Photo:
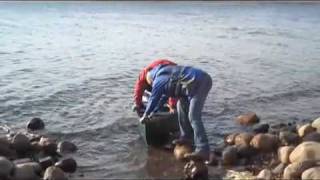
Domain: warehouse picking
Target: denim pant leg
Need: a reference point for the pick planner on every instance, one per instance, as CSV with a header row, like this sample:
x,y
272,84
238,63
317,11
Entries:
x,y
186,131
195,109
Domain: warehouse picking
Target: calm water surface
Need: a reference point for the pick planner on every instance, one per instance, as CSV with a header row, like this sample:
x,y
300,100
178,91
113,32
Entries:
x,y
74,65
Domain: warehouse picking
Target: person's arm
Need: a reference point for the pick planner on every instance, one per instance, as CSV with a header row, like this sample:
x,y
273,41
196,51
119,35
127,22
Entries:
x,y
139,88
156,94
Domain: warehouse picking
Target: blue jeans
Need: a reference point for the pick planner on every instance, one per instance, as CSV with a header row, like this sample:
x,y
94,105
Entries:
x,y
189,114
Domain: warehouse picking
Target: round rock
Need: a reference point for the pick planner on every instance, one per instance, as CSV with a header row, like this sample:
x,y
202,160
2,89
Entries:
x,y
229,140
48,145
35,124
54,173
20,143
294,170
180,150
311,174
229,155
264,142
27,171
247,119
305,151
261,128
66,147
243,139
316,124
284,153
289,138
6,167
67,165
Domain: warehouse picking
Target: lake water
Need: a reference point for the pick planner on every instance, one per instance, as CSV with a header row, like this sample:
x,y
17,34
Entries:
x,y
74,65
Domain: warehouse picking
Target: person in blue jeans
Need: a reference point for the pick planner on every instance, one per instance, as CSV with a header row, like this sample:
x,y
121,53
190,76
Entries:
x,y
191,87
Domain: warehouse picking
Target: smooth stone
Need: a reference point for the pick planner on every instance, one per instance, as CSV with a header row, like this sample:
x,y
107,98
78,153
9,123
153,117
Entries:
x,y
48,145
245,151
27,171
180,150
195,170
305,129
311,174
289,138
6,167
261,128
229,155
265,142
279,169
54,173
6,150
284,153
68,165
265,174
66,147
247,119
229,140
213,160
35,124
316,124
294,170
20,143
243,139
305,151
313,136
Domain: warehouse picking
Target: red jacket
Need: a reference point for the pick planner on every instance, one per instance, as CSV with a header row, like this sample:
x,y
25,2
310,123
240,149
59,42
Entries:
x,y
141,84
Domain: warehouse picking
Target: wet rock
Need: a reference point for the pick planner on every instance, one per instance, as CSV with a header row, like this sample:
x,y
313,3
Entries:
x,y
311,174
294,170
35,147
46,162
288,138
48,146
316,124
20,143
196,170
229,140
6,167
180,150
305,151
264,142
279,169
229,155
243,139
313,136
284,153
66,147
54,173
6,150
67,165
265,174
245,151
247,119
27,171
261,128
35,124
219,149
305,129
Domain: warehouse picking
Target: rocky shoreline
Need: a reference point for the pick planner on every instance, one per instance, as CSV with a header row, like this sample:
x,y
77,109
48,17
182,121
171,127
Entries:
x,y
277,151
28,155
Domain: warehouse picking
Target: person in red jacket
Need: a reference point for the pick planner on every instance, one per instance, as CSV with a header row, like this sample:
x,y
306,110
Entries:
x,y
141,85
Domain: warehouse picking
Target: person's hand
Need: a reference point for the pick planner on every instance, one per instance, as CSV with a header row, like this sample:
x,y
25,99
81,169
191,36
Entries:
x,y
138,109
171,110
144,119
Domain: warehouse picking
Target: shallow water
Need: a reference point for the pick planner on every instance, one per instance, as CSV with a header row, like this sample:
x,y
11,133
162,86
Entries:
x,y
74,65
